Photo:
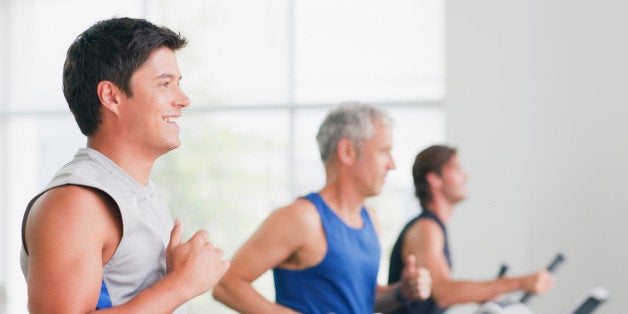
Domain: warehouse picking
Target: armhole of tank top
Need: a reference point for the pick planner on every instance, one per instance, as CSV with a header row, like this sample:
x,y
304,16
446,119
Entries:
x,y
34,199
323,218
318,200
25,217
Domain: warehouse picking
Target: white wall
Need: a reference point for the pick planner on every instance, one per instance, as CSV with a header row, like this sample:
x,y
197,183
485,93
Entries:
x,y
3,196
538,106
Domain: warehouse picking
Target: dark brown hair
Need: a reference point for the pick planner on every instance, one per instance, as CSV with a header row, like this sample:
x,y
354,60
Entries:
x,y
110,50
431,159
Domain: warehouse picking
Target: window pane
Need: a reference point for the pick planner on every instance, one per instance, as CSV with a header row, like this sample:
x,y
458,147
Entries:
x,y
40,34
36,148
369,50
234,167
226,177
236,52
309,172
416,128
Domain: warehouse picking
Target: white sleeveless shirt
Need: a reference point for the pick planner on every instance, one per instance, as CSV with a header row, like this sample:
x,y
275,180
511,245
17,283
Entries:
x,y
140,258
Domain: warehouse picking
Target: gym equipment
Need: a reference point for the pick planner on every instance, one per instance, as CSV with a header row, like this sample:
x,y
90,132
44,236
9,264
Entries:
x,y
591,300
559,259
515,307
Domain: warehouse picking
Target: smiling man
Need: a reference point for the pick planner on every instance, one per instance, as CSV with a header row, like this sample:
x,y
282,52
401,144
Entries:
x,y
100,236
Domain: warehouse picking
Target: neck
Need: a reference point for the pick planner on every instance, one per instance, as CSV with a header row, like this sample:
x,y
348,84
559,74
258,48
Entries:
x,y
442,208
341,194
345,202
342,199
134,162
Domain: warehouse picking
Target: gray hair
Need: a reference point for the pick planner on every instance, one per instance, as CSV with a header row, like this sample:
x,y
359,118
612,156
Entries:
x,y
350,120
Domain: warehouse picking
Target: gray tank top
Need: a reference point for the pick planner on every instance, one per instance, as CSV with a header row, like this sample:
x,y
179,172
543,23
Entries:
x,y
140,259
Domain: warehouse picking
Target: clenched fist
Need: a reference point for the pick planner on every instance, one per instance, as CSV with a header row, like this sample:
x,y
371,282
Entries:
x,y
416,282
197,261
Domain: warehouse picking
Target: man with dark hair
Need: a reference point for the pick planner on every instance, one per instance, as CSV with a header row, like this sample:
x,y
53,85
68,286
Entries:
x,y
323,248
439,183
100,235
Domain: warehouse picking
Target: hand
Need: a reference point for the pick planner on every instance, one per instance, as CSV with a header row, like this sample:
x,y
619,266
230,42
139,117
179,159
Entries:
x,y
539,282
198,263
416,281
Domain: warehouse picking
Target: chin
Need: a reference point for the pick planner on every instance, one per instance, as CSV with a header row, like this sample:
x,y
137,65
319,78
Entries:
x,y
174,144
169,147
374,192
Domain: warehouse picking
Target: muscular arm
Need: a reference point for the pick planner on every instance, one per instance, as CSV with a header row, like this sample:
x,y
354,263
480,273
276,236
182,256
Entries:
x,y
275,243
71,232
425,240
68,231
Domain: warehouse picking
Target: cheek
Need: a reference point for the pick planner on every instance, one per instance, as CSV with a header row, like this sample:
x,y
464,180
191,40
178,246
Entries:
x,y
384,158
463,178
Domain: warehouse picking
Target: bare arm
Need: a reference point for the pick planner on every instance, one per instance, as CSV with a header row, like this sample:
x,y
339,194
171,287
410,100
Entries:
x,y
415,285
73,231
426,241
275,243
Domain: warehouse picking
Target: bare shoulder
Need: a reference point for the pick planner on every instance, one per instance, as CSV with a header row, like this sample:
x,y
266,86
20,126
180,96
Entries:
x,y
71,202
72,210
424,234
424,227
302,208
300,215
277,240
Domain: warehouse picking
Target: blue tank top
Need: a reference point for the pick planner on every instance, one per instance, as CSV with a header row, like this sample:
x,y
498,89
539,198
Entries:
x,y
345,280
428,306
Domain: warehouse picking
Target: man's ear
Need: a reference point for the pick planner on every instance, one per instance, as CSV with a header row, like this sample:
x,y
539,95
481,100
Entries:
x,y
433,179
346,151
109,95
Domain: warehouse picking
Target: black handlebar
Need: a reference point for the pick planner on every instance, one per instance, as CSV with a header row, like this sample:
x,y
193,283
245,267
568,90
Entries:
x,y
559,259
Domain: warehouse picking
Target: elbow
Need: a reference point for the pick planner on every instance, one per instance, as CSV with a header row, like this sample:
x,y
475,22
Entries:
x,y
444,305
228,289
443,298
442,302
221,290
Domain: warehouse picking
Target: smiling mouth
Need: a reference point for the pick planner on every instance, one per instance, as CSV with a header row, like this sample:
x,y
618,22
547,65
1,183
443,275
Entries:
x,y
171,120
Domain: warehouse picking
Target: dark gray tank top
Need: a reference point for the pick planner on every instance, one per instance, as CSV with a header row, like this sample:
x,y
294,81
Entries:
x,y
428,306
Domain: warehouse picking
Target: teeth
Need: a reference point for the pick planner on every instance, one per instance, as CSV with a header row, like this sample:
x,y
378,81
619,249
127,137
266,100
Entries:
x,y
170,119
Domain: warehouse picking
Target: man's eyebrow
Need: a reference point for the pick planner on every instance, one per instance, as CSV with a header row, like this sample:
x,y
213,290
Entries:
x,y
169,75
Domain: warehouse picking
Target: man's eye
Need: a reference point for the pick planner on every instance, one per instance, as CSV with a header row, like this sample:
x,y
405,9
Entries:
x,y
164,84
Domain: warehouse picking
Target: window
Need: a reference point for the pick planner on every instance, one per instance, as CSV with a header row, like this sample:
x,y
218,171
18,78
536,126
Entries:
x,y
261,76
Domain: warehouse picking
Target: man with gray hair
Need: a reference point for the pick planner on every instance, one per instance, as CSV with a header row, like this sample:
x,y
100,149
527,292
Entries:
x,y
323,248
